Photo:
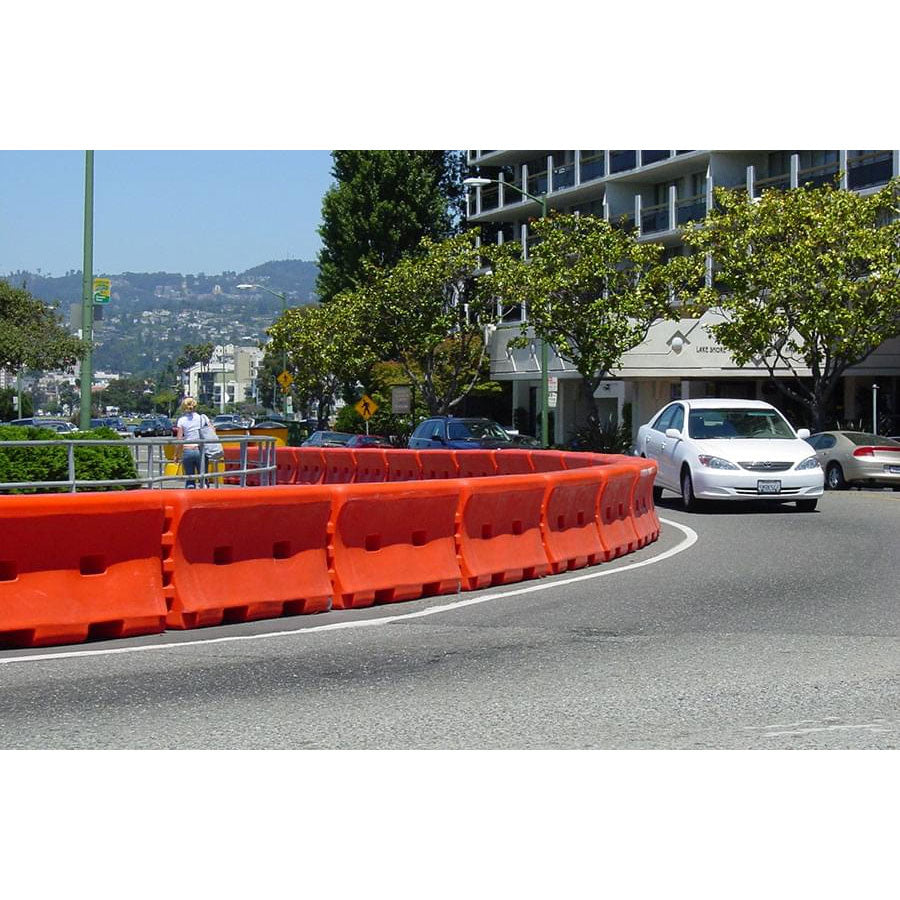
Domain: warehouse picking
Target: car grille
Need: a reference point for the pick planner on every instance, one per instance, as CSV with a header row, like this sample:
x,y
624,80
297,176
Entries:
x,y
767,466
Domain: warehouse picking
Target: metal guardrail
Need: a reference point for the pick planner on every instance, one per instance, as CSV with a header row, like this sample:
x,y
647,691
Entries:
x,y
151,459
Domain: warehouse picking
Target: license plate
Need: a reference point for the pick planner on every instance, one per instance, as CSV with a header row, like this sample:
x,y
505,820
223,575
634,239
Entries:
x,y
768,487
894,470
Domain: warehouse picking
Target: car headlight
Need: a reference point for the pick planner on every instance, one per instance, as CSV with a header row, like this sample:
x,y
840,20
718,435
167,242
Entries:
x,y
811,462
716,462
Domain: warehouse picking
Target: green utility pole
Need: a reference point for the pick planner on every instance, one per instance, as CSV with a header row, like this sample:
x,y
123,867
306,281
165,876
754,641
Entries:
x,y
87,293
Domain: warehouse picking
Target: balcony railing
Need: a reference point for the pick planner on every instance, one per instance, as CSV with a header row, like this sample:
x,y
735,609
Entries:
x,y
816,176
869,169
537,183
510,194
622,160
690,209
490,198
564,177
652,156
593,166
655,218
772,183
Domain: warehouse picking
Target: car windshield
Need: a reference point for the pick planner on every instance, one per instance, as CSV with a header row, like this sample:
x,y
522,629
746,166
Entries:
x,y
336,436
729,424
475,430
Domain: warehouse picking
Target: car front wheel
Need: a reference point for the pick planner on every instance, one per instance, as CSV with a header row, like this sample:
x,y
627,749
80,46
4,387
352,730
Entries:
x,y
688,499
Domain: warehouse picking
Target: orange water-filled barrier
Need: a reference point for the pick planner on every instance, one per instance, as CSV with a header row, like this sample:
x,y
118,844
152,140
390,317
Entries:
x,y
79,566
571,525
370,465
232,556
646,522
615,514
500,530
394,541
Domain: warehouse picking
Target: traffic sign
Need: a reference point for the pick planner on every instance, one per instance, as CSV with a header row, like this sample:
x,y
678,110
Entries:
x,y
101,290
366,407
285,379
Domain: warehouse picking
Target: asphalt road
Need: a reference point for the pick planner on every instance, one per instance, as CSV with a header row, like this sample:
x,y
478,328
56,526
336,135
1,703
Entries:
x,y
745,628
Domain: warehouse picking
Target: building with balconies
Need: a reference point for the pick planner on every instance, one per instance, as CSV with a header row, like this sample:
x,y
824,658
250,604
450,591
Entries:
x,y
655,193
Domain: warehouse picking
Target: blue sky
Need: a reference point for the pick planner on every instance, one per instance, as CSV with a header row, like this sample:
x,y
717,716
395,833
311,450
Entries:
x,y
186,211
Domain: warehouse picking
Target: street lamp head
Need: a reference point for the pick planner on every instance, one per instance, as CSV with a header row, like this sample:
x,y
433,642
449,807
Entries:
x,y
477,182
246,287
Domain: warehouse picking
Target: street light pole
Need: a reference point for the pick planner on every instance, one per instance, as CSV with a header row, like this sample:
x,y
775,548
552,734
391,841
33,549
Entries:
x,y
281,296
87,294
545,364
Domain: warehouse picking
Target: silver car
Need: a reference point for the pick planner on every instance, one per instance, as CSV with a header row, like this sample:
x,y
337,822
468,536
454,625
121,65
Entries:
x,y
857,458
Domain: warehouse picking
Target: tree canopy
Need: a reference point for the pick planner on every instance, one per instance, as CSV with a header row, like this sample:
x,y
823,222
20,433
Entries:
x,y
382,205
428,313
31,335
323,352
805,279
592,292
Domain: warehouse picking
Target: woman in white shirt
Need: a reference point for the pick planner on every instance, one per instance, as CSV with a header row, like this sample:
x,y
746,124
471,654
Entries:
x,y
187,428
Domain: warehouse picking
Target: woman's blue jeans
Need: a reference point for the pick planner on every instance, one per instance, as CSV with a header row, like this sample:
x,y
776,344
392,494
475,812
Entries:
x,y
190,460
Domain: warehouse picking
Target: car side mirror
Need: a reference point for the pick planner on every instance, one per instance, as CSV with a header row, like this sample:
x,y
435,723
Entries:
x,y
673,433
803,433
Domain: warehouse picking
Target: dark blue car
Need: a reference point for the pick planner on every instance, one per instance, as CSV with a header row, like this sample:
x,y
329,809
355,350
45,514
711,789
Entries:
x,y
450,433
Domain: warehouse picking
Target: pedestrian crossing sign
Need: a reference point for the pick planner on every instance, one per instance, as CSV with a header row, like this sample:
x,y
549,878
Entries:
x,y
366,407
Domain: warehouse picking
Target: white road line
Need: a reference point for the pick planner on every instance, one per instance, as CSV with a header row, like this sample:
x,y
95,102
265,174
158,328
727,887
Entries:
x,y
689,540
871,726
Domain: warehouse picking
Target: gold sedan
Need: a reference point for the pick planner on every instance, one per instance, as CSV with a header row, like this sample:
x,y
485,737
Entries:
x,y
856,458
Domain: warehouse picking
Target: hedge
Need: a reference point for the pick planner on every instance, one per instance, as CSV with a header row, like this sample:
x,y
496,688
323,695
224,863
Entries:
x,y
48,463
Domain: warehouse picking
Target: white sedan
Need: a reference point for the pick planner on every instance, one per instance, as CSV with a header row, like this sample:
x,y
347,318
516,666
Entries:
x,y
715,449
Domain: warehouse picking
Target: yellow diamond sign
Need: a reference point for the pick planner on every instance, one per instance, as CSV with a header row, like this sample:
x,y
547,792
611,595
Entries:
x,y
366,407
285,379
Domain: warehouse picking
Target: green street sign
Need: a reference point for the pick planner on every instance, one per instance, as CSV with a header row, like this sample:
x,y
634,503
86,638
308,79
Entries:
x,y
101,290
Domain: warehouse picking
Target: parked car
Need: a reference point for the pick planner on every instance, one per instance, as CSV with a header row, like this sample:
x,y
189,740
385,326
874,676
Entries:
x,y
450,433
154,426
117,423
857,458
61,426
368,440
721,449
231,421
526,441
327,439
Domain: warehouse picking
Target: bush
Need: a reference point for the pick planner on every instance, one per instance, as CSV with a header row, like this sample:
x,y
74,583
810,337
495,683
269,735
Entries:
x,y
51,463
604,437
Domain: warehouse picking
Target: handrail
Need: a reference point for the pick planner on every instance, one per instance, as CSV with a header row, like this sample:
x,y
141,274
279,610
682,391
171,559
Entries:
x,y
155,462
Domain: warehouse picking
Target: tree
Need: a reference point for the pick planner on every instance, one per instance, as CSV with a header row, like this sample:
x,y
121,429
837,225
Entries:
x,y
31,334
805,279
8,408
428,313
192,354
592,292
129,394
384,203
323,352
